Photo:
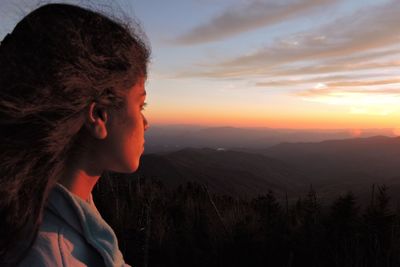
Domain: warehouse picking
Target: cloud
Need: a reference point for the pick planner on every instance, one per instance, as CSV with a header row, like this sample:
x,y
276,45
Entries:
x,y
363,83
332,81
287,71
243,18
368,29
333,68
352,62
365,40
332,92
316,79
373,111
373,101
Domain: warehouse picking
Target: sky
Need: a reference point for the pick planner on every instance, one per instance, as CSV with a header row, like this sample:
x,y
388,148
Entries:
x,y
315,64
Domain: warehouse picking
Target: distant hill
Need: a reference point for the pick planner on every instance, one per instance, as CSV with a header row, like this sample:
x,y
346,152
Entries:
x,y
331,167
225,172
173,138
338,165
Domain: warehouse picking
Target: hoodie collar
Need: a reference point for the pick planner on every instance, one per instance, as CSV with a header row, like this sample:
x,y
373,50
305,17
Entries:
x,y
85,219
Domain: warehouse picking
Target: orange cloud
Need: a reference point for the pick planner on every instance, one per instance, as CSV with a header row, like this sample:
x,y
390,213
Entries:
x,y
333,91
363,83
317,79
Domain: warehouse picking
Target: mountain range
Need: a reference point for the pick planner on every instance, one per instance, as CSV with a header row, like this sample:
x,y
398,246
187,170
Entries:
x,y
331,167
173,138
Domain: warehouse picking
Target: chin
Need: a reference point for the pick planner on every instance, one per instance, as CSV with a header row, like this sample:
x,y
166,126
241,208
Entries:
x,y
134,169
134,166
128,167
129,164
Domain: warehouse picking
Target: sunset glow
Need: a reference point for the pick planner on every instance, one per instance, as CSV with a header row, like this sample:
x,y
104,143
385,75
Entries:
x,y
262,64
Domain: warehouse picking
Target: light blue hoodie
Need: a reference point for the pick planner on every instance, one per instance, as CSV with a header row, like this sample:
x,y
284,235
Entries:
x,y
73,233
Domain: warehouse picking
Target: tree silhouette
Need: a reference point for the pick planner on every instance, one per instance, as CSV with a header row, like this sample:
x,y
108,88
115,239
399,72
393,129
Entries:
x,y
189,226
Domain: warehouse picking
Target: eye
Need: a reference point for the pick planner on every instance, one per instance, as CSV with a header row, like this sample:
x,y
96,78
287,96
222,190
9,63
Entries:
x,y
143,106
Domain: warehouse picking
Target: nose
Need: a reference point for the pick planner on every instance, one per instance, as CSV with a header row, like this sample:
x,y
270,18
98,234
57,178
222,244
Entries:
x,y
145,123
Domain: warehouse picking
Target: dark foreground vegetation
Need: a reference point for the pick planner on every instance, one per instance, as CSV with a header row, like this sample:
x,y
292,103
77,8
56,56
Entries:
x,y
189,226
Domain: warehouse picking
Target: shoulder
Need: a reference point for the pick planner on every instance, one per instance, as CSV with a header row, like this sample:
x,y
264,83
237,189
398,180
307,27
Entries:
x,y
46,250
58,244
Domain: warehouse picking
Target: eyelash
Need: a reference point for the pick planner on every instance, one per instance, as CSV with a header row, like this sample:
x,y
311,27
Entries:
x,y
143,106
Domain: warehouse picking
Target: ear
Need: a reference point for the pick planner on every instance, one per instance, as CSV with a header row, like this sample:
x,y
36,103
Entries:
x,y
96,121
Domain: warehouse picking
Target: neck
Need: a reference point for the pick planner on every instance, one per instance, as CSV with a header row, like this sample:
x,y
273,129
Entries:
x,y
82,169
80,183
80,176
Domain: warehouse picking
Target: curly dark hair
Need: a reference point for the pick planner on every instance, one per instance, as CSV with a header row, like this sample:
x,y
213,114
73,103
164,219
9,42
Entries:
x,y
58,59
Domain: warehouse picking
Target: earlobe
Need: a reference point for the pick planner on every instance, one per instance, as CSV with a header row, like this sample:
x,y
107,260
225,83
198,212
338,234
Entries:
x,y
100,131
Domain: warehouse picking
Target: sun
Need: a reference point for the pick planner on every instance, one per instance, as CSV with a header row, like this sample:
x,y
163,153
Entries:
x,y
396,131
357,132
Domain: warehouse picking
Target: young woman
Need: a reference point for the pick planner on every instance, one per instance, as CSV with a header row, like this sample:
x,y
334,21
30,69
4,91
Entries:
x,y
71,99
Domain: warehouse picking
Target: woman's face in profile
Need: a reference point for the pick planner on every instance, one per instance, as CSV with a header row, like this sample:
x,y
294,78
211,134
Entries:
x,y
126,132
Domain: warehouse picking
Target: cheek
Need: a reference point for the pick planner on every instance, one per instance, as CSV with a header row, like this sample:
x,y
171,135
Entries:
x,y
124,145
125,152
133,139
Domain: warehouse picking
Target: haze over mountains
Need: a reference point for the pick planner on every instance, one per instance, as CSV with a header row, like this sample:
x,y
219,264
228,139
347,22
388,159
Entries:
x,y
171,138
237,166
